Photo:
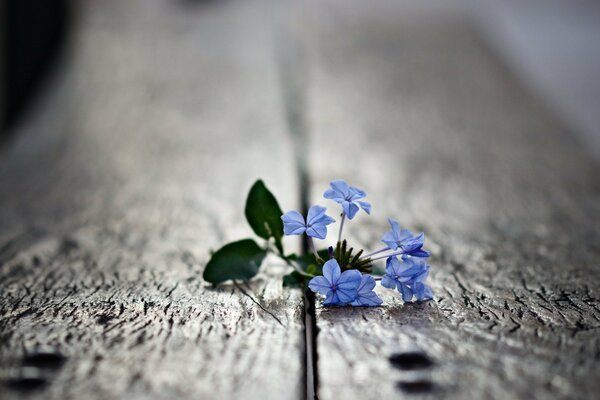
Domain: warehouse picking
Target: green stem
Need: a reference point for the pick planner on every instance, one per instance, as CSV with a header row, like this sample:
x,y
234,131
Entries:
x,y
341,226
290,263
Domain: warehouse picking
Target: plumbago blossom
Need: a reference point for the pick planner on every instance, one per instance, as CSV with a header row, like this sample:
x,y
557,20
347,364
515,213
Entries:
x,y
315,225
338,272
337,287
345,277
407,276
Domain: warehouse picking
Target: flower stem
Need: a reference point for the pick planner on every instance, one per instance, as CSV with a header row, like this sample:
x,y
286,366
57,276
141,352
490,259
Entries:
x,y
396,253
299,270
311,246
291,264
375,252
341,226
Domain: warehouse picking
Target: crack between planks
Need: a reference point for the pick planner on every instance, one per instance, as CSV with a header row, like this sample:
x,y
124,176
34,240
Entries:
x,y
294,83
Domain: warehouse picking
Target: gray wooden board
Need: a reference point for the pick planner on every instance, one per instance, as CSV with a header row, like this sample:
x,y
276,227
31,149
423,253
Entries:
x,y
442,138
133,166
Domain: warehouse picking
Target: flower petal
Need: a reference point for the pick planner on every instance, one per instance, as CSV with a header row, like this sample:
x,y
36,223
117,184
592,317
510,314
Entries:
x,y
323,220
332,299
404,236
314,213
393,267
388,282
331,271
395,225
390,240
369,299
340,186
334,195
293,223
349,280
412,269
293,216
346,296
406,291
319,284
355,193
410,243
365,206
423,275
350,209
420,253
428,293
317,231
367,284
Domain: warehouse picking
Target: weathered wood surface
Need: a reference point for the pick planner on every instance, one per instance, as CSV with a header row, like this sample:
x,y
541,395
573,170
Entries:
x,y
129,171
421,116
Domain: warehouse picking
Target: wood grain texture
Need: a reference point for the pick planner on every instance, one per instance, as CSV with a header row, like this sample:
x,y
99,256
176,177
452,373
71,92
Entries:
x,y
129,171
442,138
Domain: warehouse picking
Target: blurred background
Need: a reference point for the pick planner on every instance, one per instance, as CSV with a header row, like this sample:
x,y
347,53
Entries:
x,y
552,46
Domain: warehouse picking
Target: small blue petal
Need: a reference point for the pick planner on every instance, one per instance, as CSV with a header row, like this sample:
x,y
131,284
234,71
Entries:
x,y
314,213
346,296
412,269
388,282
293,223
428,293
350,209
367,284
317,231
390,240
366,296
331,299
395,225
422,291
404,239
420,253
407,293
293,229
323,220
319,284
355,193
340,186
367,300
317,222
332,271
350,279
334,195
365,206
348,197
393,267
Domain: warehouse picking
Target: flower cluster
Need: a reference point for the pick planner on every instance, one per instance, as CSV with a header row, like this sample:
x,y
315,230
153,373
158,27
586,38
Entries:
x,y
344,278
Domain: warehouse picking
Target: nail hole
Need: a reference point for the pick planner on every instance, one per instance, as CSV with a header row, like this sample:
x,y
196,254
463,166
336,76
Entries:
x,y
411,360
29,379
418,386
44,360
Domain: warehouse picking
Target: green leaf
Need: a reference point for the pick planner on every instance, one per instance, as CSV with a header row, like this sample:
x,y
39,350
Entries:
x,y
236,260
264,214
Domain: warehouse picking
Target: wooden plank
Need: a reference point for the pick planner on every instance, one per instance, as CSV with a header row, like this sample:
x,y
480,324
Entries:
x,y
135,164
441,136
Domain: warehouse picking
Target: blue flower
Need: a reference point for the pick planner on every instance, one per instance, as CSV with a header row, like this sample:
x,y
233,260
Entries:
x,y
408,277
403,239
337,287
366,296
315,226
348,197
